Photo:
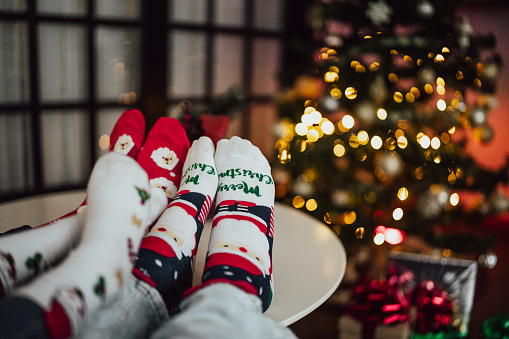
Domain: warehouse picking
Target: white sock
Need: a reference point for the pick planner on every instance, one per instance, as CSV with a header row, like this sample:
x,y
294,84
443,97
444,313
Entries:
x,y
240,247
167,253
121,205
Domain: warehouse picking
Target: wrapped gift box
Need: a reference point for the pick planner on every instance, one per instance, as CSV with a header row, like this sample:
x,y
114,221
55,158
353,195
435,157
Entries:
x,y
457,277
350,328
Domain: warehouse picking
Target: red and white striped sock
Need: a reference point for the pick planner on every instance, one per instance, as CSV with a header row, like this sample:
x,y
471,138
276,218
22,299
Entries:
x,y
240,247
166,254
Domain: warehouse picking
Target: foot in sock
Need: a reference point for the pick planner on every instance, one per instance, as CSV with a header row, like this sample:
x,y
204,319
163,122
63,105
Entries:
x,y
50,242
121,205
166,254
164,153
240,247
127,138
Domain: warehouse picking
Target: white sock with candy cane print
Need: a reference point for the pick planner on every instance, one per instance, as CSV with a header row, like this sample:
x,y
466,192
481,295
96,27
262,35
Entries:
x,y
166,254
240,247
121,205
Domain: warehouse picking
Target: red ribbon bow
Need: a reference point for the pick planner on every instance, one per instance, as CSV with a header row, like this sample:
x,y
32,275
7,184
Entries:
x,y
434,309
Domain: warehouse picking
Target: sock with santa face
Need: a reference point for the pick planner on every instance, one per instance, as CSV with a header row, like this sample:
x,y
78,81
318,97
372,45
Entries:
x,y
51,241
164,153
166,254
240,246
121,205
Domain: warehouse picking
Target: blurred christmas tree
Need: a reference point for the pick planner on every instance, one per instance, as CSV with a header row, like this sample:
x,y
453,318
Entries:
x,y
373,134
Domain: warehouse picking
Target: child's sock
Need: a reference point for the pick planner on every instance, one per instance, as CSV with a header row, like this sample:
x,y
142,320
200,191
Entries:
x,y
51,241
121,205
164,153
167,253
240,247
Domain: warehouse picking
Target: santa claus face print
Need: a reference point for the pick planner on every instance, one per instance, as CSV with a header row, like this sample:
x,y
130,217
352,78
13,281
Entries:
x,y
124,144
165,158
235,235
182,240
166,185
241,249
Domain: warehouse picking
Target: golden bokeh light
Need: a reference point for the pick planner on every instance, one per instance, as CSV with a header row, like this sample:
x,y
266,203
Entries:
x,y
351,93
307,119
313,135
454,199
339,150
335,93
419,173
327,127
348,121
298,202
309,109
376,142
301,129
359,233
353,141
441,105
379,239
402,142
316,117
311,205
402,193
424,141
284,157
397,214
349,217
435,143
363,137
381,114
331,77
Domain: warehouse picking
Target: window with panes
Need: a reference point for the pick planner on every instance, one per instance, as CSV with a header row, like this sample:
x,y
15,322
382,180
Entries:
x,y
69,68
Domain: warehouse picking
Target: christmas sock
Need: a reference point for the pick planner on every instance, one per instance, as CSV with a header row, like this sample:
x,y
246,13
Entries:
x,y
126,138
163,154
166,254
240,247
51,241
121,205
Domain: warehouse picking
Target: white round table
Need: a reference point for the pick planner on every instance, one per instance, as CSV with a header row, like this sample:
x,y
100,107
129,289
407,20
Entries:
x,y
309,260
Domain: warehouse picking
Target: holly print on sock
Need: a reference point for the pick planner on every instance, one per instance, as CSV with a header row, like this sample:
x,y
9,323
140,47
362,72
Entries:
x,y
240,246
166,254
36,263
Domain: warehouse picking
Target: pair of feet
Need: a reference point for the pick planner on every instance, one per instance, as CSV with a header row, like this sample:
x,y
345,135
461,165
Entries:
x,y
125,197
240,246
